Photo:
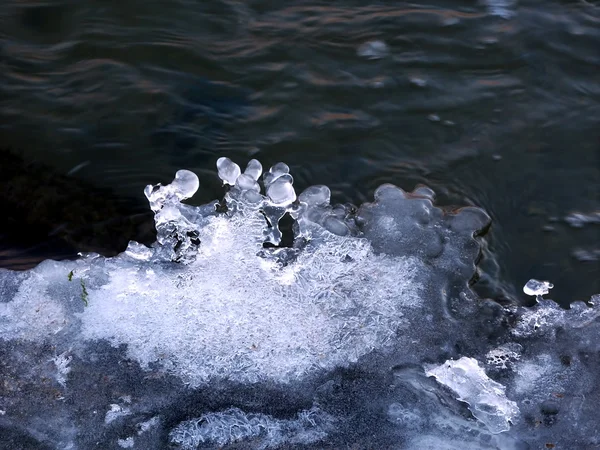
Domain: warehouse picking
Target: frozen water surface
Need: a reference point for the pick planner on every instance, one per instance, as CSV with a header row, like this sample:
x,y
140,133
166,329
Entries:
x,y
220,336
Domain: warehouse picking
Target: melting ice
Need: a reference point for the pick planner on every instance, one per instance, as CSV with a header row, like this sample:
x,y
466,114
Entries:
x,y
364,330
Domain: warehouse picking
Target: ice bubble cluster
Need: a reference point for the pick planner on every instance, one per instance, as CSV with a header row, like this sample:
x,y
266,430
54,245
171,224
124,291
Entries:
x,y
348,325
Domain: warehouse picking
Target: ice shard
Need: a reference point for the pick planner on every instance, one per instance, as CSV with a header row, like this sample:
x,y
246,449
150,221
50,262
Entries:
x,y
486,398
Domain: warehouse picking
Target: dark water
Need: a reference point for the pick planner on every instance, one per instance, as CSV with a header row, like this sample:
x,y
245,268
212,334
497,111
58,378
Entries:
x,y
494,105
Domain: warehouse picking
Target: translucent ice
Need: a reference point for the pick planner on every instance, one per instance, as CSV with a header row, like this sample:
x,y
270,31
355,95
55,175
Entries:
x,y
184,186
228,171
231,331
316,196
486,398
504,356
281,191
278,170
247,183
253,169
537,288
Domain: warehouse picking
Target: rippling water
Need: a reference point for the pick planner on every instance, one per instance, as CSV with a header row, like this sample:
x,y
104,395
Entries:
x,y
495,104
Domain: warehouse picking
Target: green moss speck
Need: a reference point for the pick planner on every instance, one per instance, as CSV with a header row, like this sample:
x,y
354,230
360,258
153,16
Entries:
x,y
84,292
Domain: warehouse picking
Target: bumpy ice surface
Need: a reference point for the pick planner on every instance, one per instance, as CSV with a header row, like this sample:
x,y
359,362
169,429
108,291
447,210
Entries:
x,y
354,325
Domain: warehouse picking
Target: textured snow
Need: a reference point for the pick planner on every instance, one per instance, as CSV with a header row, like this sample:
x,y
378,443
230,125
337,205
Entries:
x,y
128,442
234,425
215,317
62,362
115,412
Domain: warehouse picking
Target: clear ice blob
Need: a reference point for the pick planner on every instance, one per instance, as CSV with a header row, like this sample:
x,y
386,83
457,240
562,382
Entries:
x,y
537,288
275,172
486,398
184,186
281,190
316,196
247,183
253,169
228,171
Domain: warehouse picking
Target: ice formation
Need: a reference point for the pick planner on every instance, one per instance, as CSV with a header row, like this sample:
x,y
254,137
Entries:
x,y
537,288
233,425
62,367
231,331
486,398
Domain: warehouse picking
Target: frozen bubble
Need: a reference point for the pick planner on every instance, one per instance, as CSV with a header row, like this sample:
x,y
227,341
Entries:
x,y
281,191
335,226
504,356
399,223
316,196
373,50
247,183
228,171
185,184
434,118
275,172
424,191
486,398
537,288
253,169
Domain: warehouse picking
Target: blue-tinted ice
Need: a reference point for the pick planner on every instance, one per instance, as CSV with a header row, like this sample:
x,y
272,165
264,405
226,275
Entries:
x,y
360,330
